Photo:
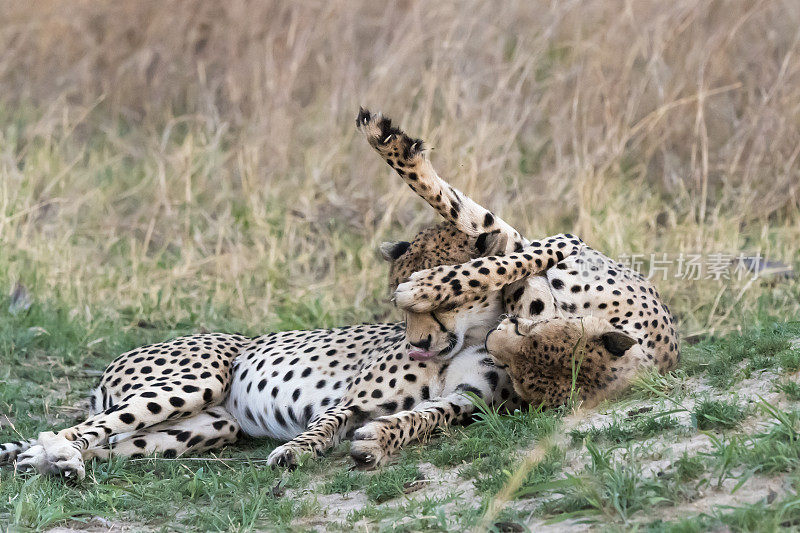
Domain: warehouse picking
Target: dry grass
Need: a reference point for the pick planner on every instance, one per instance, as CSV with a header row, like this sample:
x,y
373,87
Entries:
x,y
182,161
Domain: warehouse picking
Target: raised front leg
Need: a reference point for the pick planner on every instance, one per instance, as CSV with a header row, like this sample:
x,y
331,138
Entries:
x,y
452,286
407,157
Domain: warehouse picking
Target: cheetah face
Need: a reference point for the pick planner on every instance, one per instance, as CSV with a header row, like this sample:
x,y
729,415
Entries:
x,y
443,333
517,342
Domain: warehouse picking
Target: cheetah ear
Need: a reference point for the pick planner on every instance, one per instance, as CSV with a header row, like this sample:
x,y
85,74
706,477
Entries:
x,y
392,250
617,342
491,243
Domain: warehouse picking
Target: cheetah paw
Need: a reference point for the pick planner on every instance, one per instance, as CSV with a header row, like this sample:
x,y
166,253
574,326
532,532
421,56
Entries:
x,y
53,455
387,139
366,448
415,295
287,455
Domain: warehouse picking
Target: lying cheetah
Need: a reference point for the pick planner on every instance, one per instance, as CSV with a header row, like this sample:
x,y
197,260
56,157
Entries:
x,y
312,388
587,318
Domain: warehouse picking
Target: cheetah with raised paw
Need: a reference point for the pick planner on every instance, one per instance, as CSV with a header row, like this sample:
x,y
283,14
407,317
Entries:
x,y
450,364
585,325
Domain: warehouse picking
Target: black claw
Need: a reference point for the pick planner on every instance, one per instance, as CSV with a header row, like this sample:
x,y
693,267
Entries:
x,y
363,460
412,147
363,117
286,461
408,146
387,130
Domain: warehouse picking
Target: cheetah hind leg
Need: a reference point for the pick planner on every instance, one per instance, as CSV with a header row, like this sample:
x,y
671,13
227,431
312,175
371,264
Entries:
x,y
62,452
209,430
53,454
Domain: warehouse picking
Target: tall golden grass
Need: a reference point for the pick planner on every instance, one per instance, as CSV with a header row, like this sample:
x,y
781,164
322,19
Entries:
x,y
193,153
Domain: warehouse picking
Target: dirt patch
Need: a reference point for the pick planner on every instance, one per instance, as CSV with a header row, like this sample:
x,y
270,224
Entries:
x,y
656,455
97,524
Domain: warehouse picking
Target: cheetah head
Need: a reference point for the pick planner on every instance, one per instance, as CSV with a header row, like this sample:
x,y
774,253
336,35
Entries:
x,y
444,332
531,350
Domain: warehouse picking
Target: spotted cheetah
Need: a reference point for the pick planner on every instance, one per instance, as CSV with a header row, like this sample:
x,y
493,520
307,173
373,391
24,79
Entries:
x,y
200,392
583,326
310,388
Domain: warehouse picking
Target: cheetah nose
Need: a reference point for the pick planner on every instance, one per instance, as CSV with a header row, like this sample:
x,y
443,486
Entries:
x,y
422,344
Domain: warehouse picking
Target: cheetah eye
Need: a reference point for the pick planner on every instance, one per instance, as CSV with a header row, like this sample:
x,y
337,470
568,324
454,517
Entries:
x,y
436,319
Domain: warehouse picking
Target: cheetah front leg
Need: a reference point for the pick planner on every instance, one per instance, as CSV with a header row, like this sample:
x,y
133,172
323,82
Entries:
x,y
452,286
472,371
325,433
375,442
407,157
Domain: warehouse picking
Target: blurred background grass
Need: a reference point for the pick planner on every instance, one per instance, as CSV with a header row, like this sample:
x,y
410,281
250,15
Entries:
x,y
195,164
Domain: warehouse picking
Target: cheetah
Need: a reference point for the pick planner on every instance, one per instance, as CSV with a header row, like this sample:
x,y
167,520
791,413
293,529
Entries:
x,y
310,388
201,392
582,327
